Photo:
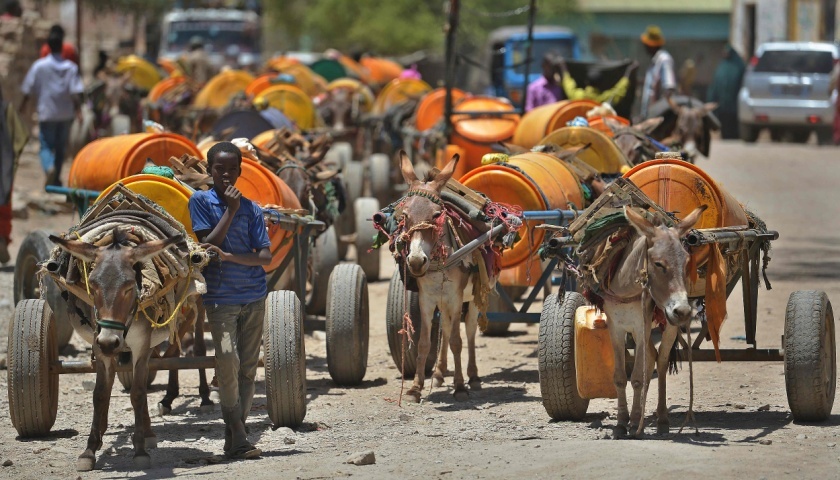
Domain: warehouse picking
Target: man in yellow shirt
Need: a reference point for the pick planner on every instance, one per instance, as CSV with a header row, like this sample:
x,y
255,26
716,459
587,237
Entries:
x,y
589,92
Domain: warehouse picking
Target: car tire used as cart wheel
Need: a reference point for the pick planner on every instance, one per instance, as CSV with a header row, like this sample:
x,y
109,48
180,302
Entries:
x,y
810,356
558,377
35,248
324,259
33,389
380,177
340,153
354,180
348,325
366,256
394,323
126,378
285,359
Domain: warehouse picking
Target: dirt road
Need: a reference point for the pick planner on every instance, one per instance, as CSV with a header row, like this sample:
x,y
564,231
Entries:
x,y
745,425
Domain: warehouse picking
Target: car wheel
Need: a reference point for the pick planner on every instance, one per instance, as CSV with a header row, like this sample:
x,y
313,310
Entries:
x,y
748,133
800,136
825,137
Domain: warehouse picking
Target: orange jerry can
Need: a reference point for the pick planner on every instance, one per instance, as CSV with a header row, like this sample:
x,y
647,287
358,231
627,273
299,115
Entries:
x,y
594,363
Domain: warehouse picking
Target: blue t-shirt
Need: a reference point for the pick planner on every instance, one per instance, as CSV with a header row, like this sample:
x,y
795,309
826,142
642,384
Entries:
x,y
229,283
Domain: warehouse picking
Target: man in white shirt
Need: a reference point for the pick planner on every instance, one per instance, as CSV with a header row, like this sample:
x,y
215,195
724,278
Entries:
x,y
58,87
660,81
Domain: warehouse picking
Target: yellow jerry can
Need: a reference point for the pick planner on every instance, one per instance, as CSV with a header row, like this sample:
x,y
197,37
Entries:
x,y
594,363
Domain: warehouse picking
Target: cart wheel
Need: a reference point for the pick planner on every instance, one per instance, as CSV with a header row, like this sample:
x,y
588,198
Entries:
x,y
33,390
126,379
394,323
340,153
36,247
810,356
496,305
324,258
558,378
348,322
380,177
354,180
353,177
285,359
365,232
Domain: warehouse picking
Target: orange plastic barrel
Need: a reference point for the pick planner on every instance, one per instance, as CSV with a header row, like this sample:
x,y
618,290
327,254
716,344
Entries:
x,y
381,70
171,195
598,124
431,108
259,84
259,184
164,86
107,160
680,187
280,62
537,181
476,134
545,119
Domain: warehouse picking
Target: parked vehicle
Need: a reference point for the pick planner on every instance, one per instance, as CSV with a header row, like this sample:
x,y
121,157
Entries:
x,y
787,88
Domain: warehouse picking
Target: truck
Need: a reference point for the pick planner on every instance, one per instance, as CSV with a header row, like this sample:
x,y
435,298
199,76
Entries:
x,y
231,37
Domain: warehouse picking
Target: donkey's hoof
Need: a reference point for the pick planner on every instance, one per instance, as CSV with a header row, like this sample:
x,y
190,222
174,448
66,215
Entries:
x,y
461,394
164,409
412,396
207,408
637,433
619,432
475,383
150,442
437,382
85,462
663,428
142,462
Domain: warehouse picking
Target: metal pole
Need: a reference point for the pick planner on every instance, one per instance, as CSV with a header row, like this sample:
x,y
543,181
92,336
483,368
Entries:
x,y
532,11
449,77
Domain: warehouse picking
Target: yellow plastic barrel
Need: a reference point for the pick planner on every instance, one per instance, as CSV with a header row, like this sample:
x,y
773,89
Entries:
x,y
308,81
143,74
476,134
603,154
353,85
280,62
259,184
432,106
292,101
108,160
218,91
171,195
545,119
532,181
594,361
680,187
164,86
398,91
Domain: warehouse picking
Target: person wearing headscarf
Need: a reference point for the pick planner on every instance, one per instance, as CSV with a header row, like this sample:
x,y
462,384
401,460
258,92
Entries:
x,y
724,90
13,137
660,81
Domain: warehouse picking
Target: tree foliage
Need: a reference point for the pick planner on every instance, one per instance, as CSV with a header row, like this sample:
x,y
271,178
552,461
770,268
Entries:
x,y
398,26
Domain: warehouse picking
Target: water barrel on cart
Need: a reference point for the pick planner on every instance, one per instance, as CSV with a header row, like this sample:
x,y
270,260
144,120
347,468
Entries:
x,y
218,91
432,106
602,154
292,101
532,181
543,120
398,91
680,187
381,70
107,160
477,134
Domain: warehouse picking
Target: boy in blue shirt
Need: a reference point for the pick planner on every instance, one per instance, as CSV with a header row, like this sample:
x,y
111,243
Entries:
x,y
233,227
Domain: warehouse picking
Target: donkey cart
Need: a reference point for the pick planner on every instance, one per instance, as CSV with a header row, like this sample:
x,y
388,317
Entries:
x,y
576,359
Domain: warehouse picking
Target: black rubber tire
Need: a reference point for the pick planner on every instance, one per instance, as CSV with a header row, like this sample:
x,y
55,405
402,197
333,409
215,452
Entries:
x,y
748,133
558,377
380,178
394,323
825,137
800,136
348,325
496,305
365,232
285,359
33,390
35,248
126,378
324,258
810,356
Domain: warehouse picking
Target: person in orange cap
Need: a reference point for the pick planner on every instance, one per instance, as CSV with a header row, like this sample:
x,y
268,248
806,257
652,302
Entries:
x,y
660,81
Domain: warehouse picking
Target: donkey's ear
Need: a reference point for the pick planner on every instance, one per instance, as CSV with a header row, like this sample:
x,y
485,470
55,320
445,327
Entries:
x,y
441,178
147,250
613,124
640,223
407,168
85,251
649,125
688,222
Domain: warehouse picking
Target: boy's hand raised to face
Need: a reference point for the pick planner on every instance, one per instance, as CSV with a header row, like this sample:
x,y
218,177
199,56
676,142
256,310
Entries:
x,y
232,197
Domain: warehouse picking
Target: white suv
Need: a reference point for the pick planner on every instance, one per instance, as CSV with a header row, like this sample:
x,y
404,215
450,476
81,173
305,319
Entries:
x,y
787,88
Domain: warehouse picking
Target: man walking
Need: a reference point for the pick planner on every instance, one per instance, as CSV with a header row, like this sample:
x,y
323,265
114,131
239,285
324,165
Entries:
x,y
660,81
58,87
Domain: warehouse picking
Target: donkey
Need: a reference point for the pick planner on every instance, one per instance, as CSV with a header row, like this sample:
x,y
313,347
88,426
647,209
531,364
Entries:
x,y
422,216
114,284
634,141
690,130
650,273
